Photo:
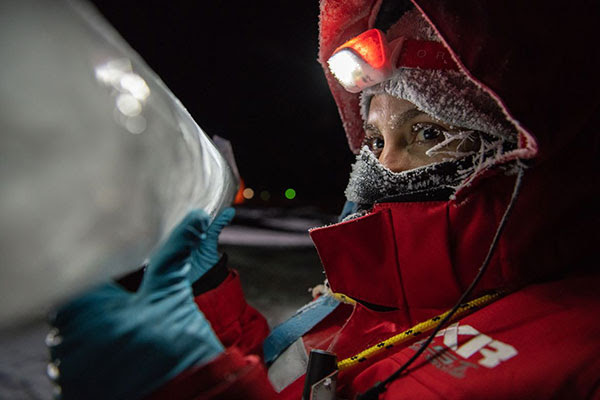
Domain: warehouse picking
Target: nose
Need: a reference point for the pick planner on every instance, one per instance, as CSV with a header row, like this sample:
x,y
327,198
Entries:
x,y
395,159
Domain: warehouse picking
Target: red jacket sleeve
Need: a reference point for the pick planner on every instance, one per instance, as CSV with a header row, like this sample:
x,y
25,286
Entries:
x,y
231,376
239,372
233,320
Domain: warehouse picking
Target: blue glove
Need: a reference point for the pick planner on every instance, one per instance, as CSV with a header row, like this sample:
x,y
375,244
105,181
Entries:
x,y
205,256
113,344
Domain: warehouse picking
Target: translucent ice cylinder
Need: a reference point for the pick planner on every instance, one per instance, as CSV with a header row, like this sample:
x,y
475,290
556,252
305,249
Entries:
x,y
98,158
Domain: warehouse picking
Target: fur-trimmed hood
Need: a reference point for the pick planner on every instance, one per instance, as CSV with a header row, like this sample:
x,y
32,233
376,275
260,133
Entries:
x,y
530,58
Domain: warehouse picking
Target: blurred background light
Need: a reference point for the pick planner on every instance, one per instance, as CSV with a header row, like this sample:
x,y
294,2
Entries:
x,y
290,194
248,193
265,195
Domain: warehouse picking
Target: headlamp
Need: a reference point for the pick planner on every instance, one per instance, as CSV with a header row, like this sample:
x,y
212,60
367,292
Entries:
x,y
368,59
362,61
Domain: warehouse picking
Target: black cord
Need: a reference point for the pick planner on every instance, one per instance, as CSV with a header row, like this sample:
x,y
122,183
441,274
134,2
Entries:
x,y
374,391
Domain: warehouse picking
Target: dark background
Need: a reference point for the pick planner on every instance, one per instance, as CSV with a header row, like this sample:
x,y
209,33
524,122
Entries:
x,y
249,72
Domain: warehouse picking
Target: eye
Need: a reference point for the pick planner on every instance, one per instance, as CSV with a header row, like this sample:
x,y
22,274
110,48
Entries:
x,y
375,144
427,132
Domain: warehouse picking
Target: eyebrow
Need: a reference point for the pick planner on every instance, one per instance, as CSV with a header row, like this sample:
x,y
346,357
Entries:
x,y
406,116
398,119
370,127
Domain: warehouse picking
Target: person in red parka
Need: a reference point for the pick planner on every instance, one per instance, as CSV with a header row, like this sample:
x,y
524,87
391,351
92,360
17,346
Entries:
x,y
502,101
463,264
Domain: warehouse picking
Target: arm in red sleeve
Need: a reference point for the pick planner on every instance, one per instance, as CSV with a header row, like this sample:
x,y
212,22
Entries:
x,y
219,296
233,320
230,376
239,372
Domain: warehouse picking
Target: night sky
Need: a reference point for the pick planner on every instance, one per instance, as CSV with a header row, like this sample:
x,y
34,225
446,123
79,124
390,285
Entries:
x,y
249,73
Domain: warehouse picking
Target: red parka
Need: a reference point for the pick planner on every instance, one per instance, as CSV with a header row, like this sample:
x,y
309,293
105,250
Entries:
x,y
541,340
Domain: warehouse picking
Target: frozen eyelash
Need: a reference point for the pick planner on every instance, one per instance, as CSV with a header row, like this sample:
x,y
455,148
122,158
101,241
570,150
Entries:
x,y
450,137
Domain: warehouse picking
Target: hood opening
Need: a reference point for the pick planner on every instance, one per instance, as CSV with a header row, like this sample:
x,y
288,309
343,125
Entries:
x,y
385,14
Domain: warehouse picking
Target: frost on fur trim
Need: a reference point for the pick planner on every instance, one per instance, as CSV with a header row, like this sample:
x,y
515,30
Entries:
x,y
448,96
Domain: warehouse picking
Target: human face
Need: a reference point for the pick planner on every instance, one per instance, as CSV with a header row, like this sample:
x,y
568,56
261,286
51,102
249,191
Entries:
x,y
399,135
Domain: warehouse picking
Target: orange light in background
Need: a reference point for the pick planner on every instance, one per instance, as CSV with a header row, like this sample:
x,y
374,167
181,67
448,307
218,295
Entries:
x,y
248,193
239,196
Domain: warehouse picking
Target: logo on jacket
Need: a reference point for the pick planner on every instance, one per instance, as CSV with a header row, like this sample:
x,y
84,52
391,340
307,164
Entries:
x,y
469,347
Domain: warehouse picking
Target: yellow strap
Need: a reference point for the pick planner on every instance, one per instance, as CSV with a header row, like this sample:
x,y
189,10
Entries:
x,y
343,298
411,333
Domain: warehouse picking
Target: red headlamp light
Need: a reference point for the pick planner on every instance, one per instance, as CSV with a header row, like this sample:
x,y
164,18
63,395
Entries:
x,y
369,59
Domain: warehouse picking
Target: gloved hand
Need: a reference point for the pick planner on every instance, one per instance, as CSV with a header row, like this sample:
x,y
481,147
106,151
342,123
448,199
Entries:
x,y
205,256
112,344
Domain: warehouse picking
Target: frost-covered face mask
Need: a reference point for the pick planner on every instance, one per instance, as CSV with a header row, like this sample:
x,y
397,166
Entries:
x,y
371,182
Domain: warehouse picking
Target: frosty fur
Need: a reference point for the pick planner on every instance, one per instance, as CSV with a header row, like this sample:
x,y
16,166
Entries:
x,y
447,96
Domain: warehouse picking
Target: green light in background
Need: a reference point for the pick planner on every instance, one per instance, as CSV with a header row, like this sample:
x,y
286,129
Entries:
x,y
290,194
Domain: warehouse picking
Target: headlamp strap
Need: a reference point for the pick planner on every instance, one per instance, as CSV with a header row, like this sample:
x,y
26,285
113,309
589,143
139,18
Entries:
x,y
425,55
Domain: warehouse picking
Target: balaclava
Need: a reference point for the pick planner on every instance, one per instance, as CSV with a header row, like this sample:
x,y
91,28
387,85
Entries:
x,y
446,95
